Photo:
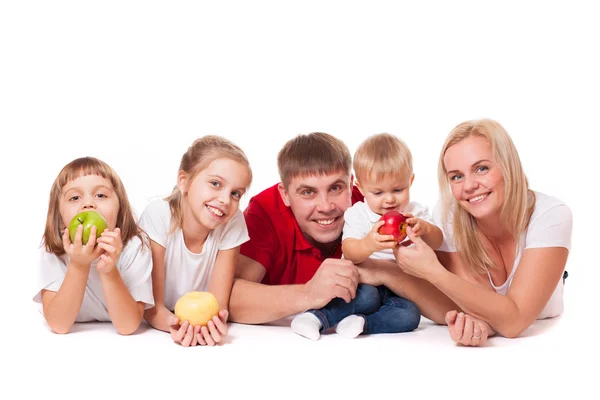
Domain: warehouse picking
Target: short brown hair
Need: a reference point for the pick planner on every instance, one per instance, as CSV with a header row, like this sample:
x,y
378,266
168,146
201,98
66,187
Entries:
x,y
82,167
198,156
381,156
315,153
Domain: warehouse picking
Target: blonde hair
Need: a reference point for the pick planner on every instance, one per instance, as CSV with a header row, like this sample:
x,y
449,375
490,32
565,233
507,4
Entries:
x,y
519,201
79,167
197,157
315,153
382,156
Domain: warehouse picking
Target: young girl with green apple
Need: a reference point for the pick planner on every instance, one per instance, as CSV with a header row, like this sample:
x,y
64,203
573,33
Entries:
x,y
87,275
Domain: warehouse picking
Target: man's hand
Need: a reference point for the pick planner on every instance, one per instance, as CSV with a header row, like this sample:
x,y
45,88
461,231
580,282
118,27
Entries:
x,y
334,278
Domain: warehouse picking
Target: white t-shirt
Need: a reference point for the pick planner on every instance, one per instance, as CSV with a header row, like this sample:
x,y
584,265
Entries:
x,y
550,225
359,220
186,271
134,265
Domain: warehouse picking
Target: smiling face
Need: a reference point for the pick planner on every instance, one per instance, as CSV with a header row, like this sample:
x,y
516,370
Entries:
x,y
89,192
389,194
318,203
213,196
475,178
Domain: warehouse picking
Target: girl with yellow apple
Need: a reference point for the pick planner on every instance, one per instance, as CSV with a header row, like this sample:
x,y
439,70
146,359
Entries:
x,y
195,237
95,264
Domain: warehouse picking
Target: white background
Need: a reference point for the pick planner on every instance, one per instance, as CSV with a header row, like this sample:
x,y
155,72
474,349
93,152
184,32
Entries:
x,y
134,83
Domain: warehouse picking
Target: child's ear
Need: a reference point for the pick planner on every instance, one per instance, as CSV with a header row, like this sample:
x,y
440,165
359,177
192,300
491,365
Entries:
x,y
360,189
182,181
412,179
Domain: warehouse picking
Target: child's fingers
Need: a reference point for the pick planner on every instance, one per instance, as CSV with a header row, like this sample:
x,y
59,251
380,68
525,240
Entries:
x,y
388,245
173,322
178,337
207,337
107,248
200,338
78,235
378,225
384,238
91,239
214,332
189,333
223,315
220,324
66,239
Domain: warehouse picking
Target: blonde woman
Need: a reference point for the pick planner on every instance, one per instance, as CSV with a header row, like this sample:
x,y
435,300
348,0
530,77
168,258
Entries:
x,y
505,246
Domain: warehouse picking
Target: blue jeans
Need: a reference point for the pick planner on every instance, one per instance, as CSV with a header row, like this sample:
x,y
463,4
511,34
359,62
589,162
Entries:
x,y
383,311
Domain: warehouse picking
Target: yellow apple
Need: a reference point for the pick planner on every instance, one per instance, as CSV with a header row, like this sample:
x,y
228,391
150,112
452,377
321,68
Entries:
x,y
197,308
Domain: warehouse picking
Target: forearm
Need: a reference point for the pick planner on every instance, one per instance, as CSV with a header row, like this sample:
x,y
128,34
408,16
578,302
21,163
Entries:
x,y
255,303
499,311
158,317
356,250
62,310
124,311
433,236
432,303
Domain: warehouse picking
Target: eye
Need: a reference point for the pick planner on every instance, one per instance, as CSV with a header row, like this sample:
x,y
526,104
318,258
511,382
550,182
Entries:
x,y
398,190
216,184
481,169
237,195
336,188
307,192
456,177
377,193
74,198
102,195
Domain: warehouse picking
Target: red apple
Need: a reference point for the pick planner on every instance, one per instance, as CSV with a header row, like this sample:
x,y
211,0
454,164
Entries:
x,y
395,225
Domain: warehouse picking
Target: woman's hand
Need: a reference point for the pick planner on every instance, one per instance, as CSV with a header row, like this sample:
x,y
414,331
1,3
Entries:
x,y
418,260
467,330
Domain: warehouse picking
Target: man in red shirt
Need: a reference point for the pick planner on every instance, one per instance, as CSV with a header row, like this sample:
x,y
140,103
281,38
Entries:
x,y
292,261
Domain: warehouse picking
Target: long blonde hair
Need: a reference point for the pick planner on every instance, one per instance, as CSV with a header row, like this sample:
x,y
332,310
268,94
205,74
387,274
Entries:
x,y
84,166
519,201
197,157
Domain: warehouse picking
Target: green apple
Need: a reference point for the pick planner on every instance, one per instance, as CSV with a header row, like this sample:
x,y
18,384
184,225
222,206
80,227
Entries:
x,y
88,219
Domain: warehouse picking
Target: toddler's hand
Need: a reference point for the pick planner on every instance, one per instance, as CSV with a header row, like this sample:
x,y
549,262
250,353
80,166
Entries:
x,y
417,225
375,241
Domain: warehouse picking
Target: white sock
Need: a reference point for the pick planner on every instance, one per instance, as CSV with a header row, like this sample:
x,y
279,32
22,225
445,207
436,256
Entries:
x,y
351,326
307,325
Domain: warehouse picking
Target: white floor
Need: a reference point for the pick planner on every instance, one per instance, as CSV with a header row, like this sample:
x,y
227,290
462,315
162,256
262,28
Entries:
x,y
272,362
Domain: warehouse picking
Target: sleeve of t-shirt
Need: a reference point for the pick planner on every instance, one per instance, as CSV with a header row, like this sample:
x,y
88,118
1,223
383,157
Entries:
x,y
261,246
50,274
156,221
135,267
235,232
355,224
422,212
448,242
552,228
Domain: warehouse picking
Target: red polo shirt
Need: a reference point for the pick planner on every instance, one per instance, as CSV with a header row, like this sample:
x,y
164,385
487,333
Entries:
x,y
277,242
